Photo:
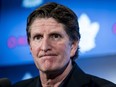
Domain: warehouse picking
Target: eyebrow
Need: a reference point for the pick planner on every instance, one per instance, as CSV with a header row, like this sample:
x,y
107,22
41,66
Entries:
x,y
35,34
56,32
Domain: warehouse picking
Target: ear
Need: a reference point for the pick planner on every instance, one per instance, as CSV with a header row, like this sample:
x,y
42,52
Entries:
x,y
30,48
74,47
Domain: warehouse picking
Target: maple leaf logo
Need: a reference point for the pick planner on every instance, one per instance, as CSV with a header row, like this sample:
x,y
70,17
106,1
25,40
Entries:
x,y
88,31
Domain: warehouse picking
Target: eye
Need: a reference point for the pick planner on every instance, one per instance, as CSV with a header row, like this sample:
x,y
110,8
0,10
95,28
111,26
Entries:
x,y
37,37
55,36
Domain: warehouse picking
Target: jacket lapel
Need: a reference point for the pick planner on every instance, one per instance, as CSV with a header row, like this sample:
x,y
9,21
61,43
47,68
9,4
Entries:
x,y
77,77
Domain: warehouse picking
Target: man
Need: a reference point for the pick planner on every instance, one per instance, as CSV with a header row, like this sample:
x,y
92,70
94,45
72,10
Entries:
x,y
53,36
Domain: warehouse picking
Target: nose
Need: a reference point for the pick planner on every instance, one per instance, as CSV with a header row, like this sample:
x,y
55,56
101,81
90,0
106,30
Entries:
x,y
45,45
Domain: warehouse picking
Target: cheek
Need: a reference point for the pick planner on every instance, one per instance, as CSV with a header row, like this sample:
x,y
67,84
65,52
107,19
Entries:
x,y
34,50
64,50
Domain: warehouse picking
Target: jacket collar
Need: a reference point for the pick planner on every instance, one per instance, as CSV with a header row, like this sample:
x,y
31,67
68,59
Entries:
x,y
76,78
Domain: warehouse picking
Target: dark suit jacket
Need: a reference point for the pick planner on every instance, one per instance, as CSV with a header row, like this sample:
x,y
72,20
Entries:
x,y
76,78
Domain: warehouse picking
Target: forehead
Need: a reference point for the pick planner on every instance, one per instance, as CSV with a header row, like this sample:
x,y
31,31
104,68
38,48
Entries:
x,y
46,24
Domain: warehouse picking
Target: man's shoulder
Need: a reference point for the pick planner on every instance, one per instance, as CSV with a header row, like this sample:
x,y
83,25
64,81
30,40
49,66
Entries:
x,y
100,81
27,83
79,77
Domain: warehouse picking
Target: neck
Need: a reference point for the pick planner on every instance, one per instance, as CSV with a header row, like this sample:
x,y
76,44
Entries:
x,y
53,79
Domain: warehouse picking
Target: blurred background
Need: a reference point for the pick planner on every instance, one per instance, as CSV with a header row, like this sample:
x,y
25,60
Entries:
x,y
97,21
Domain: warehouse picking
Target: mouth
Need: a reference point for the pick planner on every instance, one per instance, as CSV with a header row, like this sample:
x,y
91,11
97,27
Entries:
x,y
47,55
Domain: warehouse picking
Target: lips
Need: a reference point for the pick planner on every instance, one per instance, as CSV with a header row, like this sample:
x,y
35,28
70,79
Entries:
x,y
47,55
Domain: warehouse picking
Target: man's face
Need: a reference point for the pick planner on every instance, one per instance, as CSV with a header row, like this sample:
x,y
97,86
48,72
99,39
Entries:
x,y
50,45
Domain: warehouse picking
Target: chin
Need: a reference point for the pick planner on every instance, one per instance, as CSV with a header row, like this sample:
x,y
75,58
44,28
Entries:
x,y
51,70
